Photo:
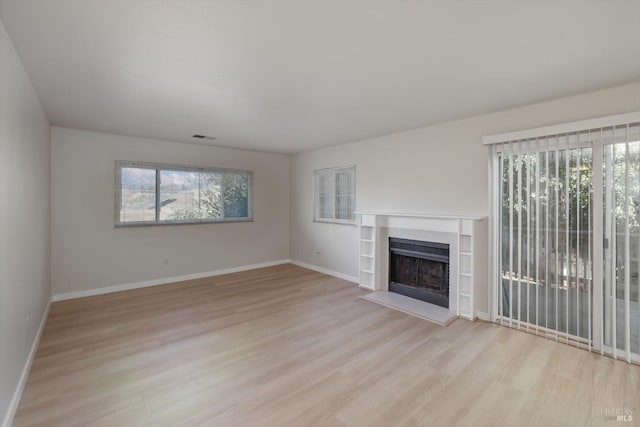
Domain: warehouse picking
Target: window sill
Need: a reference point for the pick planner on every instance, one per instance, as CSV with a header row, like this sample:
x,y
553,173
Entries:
x,y
163,223
320,221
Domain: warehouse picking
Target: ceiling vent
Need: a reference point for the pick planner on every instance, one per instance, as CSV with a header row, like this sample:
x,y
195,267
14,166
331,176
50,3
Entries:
x,y
210,138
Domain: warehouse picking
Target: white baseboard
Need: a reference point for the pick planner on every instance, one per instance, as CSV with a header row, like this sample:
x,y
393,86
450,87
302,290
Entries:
x,y
482,315
17,394
163,281
343,276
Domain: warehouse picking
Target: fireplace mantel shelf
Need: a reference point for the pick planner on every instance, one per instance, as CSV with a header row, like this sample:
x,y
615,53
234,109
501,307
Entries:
x,y
420,215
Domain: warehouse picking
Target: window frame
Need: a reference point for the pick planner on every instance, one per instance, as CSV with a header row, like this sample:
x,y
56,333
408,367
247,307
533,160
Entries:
x,y
351,169
158,167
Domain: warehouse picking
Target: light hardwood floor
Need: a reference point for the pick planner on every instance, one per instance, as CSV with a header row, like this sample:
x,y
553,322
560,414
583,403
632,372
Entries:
x,y
285,346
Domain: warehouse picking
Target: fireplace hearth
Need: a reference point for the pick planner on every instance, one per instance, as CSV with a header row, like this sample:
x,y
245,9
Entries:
x,y
419,270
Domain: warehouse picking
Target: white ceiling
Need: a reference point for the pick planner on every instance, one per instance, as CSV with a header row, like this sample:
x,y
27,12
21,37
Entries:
x,y
297,75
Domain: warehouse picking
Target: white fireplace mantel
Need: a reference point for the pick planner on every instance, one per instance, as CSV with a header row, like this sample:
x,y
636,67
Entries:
x,y
467,240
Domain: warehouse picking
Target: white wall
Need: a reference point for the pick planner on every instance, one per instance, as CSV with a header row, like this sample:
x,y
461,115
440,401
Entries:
x,y
439,169
89,253
24,220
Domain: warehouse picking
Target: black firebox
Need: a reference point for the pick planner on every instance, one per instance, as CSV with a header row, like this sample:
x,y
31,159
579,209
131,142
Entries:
x,y
419,270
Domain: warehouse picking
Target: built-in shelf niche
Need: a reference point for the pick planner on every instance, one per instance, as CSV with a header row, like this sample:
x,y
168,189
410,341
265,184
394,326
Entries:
x,y
367,252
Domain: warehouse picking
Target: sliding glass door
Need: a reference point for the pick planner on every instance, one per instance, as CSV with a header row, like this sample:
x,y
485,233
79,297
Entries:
x,y
546,237
557,197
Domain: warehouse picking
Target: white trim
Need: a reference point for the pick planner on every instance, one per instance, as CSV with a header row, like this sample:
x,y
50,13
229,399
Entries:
x,y
17,394
581,125
419,215
323,270
483,316
494,303
163,281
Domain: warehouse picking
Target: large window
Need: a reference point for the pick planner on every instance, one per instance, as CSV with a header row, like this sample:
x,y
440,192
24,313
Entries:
x,y
335,195
148,193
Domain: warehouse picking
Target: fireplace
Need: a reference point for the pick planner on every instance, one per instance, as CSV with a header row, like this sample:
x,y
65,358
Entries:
x,y
419,270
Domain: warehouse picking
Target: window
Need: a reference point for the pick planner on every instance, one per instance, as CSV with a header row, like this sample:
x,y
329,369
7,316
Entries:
x,y
335,191
148,194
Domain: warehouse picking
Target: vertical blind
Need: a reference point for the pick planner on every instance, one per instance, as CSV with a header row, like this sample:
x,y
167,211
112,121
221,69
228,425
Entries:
x,y
567,237
621,171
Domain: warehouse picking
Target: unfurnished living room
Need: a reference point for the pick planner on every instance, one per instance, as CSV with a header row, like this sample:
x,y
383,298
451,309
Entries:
x,y
319,213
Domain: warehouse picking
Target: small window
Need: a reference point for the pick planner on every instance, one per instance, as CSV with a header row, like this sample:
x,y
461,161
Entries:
x,y
148,193
335,195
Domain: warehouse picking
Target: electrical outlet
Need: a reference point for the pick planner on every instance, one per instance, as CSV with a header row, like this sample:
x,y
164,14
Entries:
x,y
27,322
166,261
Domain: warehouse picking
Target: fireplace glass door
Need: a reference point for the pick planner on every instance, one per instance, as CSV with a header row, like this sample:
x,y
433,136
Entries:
x,y
419,270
